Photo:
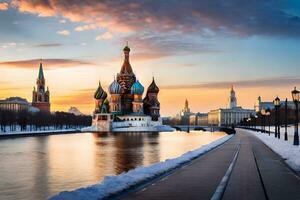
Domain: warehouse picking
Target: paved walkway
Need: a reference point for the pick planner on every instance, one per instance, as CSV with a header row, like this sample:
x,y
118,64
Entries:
x,y
258,173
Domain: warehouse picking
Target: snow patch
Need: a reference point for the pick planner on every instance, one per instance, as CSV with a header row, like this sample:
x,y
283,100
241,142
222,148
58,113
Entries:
x,y
115,184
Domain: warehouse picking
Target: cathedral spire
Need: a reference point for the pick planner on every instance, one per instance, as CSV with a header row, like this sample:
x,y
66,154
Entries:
x,y
186,106
126,67
41,72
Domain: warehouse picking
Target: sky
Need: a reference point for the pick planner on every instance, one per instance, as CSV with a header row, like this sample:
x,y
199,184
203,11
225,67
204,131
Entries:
x,y
195,49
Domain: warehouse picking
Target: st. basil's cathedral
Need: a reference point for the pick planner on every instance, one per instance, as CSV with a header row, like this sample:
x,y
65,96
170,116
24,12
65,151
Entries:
x,y
126,109
126,94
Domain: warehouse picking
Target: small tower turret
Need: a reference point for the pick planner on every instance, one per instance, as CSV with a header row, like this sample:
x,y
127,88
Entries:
x,y
100,96
151,103
115,97
137,90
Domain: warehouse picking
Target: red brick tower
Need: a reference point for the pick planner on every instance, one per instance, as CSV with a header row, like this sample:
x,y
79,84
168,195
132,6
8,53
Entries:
x,y
40,96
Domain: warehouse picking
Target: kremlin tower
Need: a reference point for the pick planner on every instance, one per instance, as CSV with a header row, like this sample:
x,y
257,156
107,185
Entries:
x,y
40,96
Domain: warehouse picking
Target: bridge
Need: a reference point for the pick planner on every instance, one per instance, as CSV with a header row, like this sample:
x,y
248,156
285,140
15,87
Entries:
x,y
188,128
191,127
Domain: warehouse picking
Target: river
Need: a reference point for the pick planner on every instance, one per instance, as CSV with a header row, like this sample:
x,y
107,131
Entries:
x,y
39,167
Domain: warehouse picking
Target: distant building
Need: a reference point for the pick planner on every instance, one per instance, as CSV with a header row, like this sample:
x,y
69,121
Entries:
x,y
16,104
259,104
199,119
41,96
231,115
185,113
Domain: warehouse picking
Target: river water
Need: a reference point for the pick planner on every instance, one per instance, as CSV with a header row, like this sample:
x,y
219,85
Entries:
x,y
39,167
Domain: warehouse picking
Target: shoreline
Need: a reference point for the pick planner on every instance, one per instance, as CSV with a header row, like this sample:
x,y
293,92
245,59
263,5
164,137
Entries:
x,y
6,135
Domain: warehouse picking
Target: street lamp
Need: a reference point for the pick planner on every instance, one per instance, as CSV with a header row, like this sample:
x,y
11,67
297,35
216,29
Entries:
x,y
285,119
277,126
295,95
268,113
263,114
255,122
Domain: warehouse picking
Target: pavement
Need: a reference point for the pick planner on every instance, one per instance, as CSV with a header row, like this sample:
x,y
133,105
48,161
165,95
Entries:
x,y
258,174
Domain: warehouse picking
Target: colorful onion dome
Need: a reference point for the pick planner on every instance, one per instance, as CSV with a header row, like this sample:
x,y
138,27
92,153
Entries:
x,y
153,87
100,93
137,88
114,88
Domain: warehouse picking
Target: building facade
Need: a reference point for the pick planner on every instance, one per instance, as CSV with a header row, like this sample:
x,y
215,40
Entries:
x,y
185,114
41,96
199,119
14,104
232,115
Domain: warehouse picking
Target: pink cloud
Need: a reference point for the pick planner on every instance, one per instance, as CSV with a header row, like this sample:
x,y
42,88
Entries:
x,y
48,63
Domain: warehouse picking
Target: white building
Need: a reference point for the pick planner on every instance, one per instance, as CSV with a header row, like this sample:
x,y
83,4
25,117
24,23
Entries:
x,y
16,104
259,104
232,115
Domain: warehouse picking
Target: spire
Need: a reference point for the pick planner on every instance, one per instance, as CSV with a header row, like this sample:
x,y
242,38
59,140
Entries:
x,y
41,72
126,67
186,103
153,87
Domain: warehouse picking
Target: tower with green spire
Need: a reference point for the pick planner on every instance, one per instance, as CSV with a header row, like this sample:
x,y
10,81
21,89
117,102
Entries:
x,y
41,96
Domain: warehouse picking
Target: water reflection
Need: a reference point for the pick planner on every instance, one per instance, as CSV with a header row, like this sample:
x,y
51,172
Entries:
x,y
39,167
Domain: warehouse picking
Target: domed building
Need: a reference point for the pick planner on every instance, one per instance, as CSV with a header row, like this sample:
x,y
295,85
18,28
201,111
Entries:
x,y
125,109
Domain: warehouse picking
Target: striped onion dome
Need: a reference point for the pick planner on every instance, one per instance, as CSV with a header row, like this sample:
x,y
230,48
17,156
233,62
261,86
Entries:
x,y
100,93
137,88
114,88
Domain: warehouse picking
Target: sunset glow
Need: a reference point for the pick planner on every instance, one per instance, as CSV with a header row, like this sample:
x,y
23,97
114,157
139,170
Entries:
x,y
196,57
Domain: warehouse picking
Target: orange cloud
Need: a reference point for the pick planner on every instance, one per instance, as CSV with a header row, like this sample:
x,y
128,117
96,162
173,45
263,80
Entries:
x,y
3,6
82,99
48,63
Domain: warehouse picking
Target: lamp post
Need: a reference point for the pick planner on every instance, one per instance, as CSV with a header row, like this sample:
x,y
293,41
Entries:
x,y
285,120
295,95
277,126
248,122
263,115
255,122
268,113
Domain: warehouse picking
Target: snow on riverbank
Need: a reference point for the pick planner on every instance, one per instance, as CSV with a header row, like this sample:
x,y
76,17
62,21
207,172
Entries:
x,y
285,149
290,129
37,132
115,184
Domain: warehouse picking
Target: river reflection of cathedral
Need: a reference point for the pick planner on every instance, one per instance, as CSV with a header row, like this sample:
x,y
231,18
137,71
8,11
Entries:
x,y
130,150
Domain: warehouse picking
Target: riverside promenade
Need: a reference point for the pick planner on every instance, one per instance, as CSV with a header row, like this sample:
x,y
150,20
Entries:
x,y
257,173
